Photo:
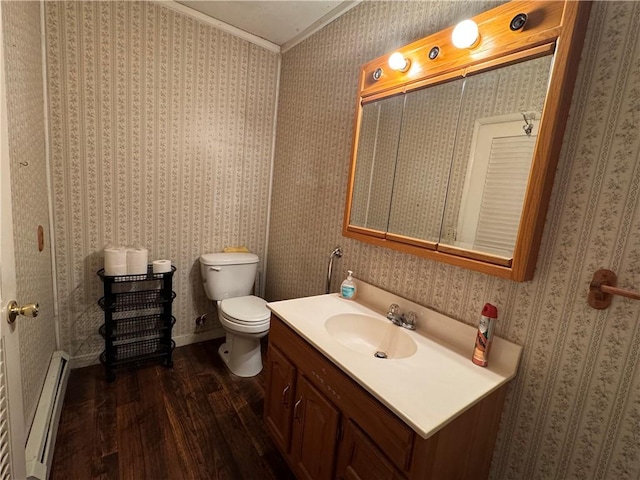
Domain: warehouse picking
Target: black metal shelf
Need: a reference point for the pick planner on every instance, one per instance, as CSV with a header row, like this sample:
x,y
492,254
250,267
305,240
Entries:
x,y
131,339
138,352
136,327
142,300
135,278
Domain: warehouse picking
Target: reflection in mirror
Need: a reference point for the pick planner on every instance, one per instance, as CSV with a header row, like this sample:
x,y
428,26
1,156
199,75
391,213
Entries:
x,y
492,156
424,157
377,149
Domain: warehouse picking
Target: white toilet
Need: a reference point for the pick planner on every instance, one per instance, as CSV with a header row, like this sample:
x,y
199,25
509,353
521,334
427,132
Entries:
x,y
228,279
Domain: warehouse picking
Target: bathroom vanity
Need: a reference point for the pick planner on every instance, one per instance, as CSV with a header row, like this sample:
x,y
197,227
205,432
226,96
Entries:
x,y
336,411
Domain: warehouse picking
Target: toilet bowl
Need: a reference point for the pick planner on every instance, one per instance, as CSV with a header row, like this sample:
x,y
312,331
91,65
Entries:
x,y
228,279
245,321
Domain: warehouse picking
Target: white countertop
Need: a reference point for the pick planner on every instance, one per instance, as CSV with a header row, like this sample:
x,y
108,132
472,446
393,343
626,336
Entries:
x,y
426,390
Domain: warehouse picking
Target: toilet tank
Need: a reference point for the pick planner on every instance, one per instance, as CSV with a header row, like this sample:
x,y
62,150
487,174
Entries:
x,y
228,275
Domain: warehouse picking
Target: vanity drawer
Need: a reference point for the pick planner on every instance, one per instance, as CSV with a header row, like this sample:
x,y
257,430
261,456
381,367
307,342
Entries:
x,y
384,428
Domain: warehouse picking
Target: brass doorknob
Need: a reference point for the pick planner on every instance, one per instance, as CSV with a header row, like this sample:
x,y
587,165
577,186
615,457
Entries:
x,y
28,310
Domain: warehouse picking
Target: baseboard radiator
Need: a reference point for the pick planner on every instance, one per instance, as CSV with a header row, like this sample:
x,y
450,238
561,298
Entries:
x,y
42,437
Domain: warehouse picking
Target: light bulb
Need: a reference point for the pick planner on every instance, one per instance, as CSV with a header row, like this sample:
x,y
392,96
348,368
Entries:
x,y
465,34
398,62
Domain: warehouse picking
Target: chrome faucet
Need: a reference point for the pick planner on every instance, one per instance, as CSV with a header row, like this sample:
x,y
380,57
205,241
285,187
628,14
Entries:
x,y
393,314
407,320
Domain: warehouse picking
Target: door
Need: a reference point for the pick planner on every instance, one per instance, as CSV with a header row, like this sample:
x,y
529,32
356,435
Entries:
x,y
280,385
495,186
361,459
12,432
315,433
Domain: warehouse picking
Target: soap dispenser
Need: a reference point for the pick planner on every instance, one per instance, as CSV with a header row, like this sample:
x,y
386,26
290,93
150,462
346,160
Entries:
x,y
348,288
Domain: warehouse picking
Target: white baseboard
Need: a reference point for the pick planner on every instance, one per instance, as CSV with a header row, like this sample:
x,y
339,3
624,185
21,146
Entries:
x,y
42,437
190,338
181,340
84,360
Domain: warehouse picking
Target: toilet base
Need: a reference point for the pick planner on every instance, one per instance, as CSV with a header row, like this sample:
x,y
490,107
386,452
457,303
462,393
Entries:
x,y
241,355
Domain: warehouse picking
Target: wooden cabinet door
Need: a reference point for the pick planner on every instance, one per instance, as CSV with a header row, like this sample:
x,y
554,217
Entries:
x,y
361,459
315,430
278,397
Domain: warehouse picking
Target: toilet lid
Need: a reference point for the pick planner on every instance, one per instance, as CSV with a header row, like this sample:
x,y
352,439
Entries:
x,y
246,310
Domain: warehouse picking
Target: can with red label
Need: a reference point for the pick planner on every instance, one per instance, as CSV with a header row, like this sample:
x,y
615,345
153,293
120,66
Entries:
x,y
484,336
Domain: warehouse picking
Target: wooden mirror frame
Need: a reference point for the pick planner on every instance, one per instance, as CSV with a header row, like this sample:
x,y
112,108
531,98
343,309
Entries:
x,y
556,27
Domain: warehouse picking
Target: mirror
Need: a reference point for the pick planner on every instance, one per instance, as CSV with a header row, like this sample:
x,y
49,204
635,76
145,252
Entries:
x,y
492,156
378,146
422,166
454,156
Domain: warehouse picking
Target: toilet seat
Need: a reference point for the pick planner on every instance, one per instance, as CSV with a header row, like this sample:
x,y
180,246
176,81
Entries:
x,y
249,311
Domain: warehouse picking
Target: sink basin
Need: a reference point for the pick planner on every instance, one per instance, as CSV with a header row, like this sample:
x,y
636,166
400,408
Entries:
x,y
371,335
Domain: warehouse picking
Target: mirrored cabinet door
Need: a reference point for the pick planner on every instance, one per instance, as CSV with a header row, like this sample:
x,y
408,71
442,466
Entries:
x,y
376,161
497,133
456,146
424,158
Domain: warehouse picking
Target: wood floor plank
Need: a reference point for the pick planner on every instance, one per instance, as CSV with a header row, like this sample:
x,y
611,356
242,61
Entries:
x,y
73,455
105,468
200,365
127,388
83,385
195,421
242,451
195,426
233,417
186,440
106,438
131,464
157,439
248,395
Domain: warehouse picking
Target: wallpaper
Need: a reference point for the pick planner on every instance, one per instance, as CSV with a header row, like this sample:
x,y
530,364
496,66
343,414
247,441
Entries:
x,y
25,114
573,411
161,136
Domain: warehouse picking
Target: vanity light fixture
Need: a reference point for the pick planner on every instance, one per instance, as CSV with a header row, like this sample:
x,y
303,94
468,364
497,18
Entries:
x,y
465,34
398,62
518,22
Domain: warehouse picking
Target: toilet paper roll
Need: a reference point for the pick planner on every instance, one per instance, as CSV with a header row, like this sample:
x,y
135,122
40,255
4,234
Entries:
x,y
134,269
161,266
137,260
115,270
115,261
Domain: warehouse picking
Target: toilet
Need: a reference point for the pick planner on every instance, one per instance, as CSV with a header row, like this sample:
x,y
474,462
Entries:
x,y
228,280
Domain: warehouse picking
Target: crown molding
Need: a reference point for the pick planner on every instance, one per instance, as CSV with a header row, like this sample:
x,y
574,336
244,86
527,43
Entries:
x,y
220,25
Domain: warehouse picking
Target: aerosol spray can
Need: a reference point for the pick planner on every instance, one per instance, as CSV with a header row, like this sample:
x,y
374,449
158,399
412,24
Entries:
x,y
484,336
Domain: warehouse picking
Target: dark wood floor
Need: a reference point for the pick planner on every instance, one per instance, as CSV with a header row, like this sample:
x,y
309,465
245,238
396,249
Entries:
x,y
193,421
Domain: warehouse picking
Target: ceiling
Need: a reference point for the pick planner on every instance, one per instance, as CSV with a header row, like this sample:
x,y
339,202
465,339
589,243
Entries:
x,y
283,23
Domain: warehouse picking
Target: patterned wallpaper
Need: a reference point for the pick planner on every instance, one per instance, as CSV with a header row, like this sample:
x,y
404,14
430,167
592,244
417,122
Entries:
x,y
315,125
574,409
25,112
161,135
